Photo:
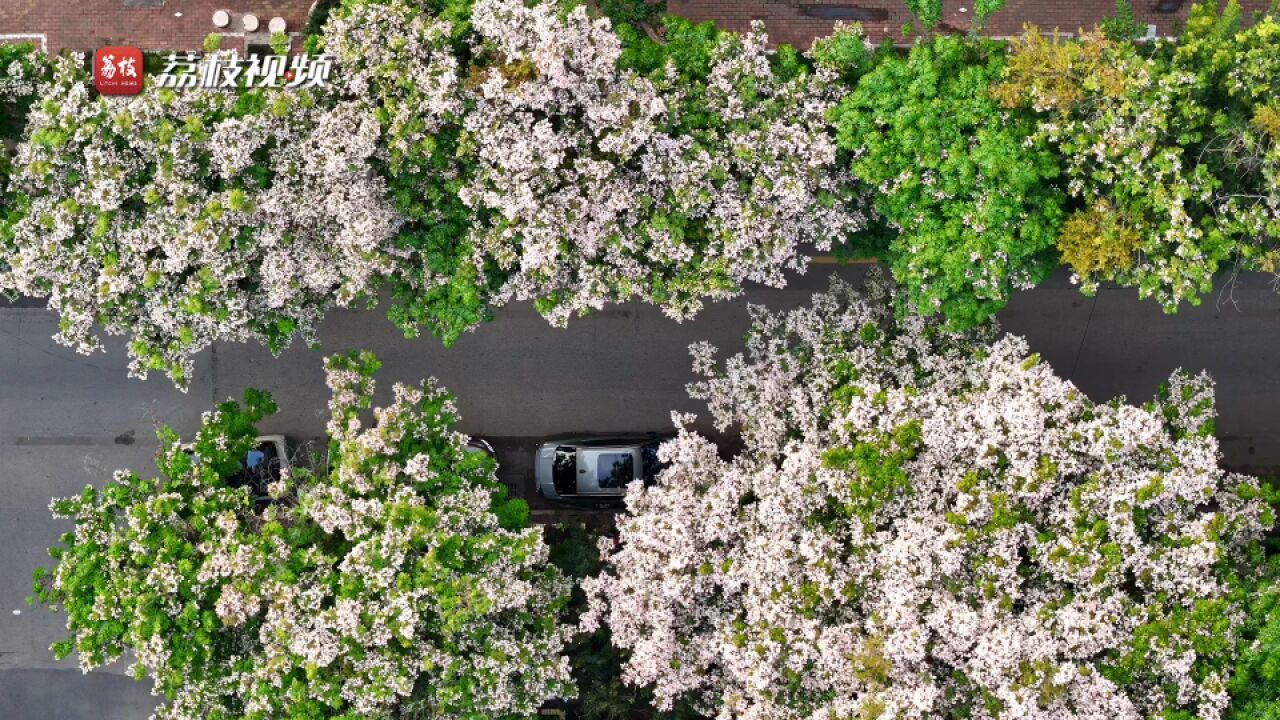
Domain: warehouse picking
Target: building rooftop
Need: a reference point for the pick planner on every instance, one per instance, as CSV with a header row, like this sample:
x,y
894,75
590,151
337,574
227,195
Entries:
x,y
183,24
87,25
798,22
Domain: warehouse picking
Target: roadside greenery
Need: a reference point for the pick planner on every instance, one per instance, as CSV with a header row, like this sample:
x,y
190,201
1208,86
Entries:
x,y
539,152
925,522
1168,152
940,510
397,581
183,218
22,69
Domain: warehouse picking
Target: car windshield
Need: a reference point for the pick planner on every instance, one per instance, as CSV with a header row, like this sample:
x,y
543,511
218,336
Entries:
x,y
651,466
564,471
260,467
614,470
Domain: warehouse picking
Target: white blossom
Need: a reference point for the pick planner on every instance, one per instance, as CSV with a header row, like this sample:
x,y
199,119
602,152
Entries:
x,y
922,524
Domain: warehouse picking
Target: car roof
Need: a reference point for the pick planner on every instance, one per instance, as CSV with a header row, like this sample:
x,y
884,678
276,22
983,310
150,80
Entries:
x,y
590,459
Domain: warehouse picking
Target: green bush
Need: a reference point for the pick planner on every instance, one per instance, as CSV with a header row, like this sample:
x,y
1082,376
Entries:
x,y
1124,24
1255,685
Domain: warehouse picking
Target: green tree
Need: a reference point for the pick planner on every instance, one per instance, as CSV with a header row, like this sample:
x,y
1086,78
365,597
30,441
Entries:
x,y
968,190
927,12
982,11
1123,25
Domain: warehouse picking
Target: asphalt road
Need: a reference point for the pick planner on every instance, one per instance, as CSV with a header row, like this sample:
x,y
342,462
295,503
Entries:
x,y
67,420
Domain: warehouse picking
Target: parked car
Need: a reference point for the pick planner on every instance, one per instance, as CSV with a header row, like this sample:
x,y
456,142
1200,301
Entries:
x,y
595,471
262,465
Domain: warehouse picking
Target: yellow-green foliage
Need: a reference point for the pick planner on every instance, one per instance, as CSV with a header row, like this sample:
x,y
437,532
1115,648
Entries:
x,y
1055,73
1267,119
1098,240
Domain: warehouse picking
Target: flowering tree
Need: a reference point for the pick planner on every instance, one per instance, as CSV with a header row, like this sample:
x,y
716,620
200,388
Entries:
x,y
184,218
925,526
1238,70
595,184
407,64
585,181
1125,126
398,582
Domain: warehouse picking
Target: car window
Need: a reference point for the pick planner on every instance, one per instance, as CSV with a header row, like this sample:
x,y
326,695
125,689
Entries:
x,y
254,458
564,471
260,467
614,470
650,464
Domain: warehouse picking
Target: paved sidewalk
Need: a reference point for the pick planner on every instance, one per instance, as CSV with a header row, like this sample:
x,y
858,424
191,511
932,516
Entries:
x,y
797,22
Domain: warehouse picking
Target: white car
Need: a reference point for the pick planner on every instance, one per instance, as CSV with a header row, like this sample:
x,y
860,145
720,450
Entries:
x,y
595,471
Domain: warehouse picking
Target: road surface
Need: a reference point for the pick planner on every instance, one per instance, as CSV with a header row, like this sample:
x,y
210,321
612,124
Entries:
x,y
68,420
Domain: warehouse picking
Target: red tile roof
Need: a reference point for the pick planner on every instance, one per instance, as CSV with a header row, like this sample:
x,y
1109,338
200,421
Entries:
x,y
149,24
797,22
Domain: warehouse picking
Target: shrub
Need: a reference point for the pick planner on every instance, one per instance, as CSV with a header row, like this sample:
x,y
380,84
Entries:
x,y
1124,24
927,12
1098,241
1057,74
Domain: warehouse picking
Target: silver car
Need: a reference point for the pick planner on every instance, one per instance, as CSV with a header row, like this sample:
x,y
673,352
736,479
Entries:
x,y
595,471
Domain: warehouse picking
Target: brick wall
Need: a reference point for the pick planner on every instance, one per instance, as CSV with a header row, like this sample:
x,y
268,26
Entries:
x,y
150,24
797,22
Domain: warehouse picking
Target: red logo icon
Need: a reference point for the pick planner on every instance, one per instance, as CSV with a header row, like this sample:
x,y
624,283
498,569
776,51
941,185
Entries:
x,y
118,70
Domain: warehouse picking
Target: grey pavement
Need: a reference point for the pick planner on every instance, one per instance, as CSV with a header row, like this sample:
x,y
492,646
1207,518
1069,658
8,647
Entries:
x,y
67,420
